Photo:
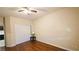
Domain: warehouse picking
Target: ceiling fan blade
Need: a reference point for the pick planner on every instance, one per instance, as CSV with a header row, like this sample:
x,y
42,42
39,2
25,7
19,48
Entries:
x,y
20,10
34,11
40,9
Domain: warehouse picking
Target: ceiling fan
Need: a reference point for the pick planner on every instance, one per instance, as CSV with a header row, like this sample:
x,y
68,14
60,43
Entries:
x,y
28,9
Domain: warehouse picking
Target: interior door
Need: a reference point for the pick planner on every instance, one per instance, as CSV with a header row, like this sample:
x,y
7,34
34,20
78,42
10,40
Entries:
x,y
22,33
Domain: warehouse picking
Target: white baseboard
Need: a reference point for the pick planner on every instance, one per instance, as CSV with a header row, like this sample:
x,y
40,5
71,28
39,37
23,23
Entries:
x,y
56,45
10,45
2,43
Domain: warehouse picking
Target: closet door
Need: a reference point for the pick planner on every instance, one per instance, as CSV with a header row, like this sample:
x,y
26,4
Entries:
x,y
22,33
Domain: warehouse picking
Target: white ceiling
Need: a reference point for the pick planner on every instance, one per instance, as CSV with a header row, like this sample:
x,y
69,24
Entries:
x,y
13,11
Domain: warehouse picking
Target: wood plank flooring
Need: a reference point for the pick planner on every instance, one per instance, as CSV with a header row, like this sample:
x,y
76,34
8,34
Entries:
x,y
33,46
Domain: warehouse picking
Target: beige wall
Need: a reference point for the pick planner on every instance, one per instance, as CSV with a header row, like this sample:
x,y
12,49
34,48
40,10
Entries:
x,y
1,21
10,29
59,28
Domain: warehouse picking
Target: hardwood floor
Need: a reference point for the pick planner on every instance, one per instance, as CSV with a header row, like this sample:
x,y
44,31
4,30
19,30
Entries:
x,y
33,46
